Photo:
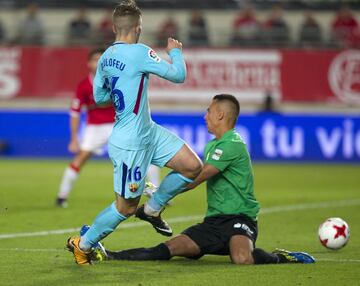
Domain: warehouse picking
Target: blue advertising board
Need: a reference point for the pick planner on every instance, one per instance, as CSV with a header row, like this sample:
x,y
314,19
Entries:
x,y
269,136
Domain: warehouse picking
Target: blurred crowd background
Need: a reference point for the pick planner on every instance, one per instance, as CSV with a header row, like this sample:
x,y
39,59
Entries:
x,y
297,59
200,23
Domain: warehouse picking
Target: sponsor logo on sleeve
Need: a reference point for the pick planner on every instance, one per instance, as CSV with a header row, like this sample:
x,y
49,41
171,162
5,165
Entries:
x,y
154,56
217,154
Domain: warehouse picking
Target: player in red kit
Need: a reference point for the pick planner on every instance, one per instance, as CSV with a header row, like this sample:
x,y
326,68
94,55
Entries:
x,y
99,124
100,120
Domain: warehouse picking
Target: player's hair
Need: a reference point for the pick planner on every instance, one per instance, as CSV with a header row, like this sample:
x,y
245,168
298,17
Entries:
x,y
94,52
126,16
234,105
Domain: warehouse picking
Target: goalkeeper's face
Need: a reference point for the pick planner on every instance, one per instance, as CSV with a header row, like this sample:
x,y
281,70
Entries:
x,y
211,117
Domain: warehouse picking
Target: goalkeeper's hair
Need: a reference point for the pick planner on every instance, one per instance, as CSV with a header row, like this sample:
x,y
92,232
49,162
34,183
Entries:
x,y
126,16
233,105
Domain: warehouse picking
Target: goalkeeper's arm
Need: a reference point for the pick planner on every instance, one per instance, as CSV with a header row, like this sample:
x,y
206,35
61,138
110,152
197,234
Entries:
x,y
206,173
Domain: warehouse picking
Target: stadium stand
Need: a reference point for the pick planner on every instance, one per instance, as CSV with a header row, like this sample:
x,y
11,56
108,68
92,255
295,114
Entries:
x,y
220,17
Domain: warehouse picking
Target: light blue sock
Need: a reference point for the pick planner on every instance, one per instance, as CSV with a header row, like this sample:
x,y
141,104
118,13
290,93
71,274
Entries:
x,y
104,224
174,183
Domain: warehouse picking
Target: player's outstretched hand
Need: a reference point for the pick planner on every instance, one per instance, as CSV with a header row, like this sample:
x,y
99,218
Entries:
x,y
172,44
74,146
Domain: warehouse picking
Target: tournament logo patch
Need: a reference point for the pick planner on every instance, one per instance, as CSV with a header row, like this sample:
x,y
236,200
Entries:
x,y
152,55
133,187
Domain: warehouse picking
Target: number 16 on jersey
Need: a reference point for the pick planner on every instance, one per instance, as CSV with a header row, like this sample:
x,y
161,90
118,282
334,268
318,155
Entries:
x,y
117,96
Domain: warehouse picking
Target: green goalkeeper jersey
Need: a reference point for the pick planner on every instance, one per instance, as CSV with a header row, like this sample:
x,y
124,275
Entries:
x,y
231,191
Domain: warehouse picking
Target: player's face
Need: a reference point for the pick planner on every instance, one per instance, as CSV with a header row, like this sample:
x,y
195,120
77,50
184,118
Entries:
x,y
211,117
92,63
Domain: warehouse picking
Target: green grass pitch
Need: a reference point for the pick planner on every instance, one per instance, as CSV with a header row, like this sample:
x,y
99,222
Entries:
x,y
28,189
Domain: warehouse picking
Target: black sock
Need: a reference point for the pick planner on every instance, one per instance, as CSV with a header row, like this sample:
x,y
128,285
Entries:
x,y
262,257
159,252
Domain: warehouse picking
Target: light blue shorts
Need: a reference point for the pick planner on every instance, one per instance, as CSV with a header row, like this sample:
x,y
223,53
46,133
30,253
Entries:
x,y
130,166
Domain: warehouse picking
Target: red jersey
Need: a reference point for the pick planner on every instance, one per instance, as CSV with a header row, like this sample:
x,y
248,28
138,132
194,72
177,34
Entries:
x,y
348,31
244,21
96,114
347,24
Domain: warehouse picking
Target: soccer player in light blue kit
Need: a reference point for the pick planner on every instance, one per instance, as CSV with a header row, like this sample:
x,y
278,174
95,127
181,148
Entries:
x,y
136,141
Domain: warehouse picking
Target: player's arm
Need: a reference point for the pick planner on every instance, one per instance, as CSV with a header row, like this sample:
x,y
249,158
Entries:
x,y
100,89
174,71
74,146
177,69
206,173
75,110
216,161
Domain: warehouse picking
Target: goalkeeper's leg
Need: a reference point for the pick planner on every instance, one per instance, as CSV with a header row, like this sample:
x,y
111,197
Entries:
x,y
180,245
242,252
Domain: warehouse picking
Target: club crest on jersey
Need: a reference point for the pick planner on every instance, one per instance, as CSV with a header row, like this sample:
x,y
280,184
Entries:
x,y
217,154
133,187
154,56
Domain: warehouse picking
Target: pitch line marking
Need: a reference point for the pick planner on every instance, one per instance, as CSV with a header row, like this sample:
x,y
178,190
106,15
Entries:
x,y
270,210
33,249
337,260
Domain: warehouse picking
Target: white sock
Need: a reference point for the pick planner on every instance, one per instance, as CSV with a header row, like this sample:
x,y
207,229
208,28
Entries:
x,y
153,175
67,182
84,246
150,211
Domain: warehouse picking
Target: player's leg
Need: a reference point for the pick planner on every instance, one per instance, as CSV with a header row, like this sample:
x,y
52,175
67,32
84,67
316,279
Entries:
x,y
261,256
158,252
93,142
242,241
152,181
193,243
172,152
70,176
185,162
81,158
242,231
104,224
281,256
107,220
128,186
153,175
241,248
129,165
181,245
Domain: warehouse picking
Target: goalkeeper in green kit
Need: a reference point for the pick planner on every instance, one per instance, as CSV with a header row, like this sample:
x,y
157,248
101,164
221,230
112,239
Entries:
x,y
230,224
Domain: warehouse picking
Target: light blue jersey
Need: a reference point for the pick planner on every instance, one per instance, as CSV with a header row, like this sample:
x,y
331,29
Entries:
x,y
122,77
